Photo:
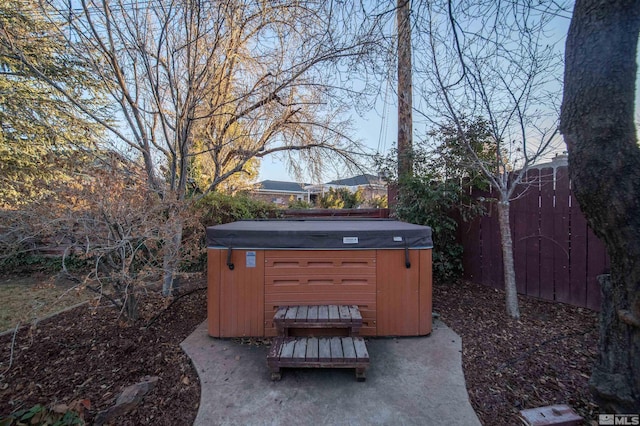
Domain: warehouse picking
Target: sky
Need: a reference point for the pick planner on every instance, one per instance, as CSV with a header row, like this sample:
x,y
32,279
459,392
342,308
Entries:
x,y
378,128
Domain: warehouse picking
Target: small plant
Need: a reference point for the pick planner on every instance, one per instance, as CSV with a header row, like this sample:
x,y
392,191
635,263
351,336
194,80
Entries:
x,y
57,415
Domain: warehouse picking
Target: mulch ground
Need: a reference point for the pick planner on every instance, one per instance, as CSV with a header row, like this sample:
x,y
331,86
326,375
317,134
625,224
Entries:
x,y
89,354
545,358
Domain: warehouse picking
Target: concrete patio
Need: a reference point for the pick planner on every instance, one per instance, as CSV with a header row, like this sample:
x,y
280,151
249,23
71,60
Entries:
x,y
411,381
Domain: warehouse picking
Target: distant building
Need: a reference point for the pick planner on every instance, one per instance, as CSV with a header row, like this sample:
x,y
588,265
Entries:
x,y
560,160
280,193
372,186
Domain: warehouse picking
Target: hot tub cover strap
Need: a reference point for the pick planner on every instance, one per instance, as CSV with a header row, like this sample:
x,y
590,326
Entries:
x,y
229,262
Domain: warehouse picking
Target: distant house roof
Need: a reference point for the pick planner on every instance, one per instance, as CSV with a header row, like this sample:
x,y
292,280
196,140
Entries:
x,y
559,160
358,181
281,186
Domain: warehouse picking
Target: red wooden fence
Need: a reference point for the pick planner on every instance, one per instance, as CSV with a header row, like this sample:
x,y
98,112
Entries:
x,y
557,256
360,213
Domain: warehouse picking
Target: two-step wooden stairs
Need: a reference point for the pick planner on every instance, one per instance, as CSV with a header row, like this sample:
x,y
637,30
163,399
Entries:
x,y
310,337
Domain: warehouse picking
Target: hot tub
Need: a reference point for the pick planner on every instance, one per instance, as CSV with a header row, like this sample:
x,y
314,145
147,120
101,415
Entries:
x,y
382,266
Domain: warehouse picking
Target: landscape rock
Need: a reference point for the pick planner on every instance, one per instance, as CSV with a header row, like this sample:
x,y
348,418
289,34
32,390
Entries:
x,y
130,397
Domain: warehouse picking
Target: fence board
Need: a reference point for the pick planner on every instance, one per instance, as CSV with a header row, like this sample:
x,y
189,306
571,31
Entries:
x,y
578,256
519,227
532,243
547,237
596,265
561,237
484,248
492,275
472,255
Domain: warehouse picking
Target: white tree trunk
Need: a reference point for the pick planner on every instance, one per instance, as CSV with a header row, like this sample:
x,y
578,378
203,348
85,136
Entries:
x,y
171,254
511,291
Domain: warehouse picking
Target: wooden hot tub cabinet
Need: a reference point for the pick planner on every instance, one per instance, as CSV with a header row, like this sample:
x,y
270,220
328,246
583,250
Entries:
x,y
254,267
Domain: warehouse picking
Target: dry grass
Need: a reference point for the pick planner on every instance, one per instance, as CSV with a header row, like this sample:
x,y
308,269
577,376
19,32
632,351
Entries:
x,y
26,298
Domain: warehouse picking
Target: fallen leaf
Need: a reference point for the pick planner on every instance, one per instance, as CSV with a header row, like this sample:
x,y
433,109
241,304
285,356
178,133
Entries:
x,y
60,408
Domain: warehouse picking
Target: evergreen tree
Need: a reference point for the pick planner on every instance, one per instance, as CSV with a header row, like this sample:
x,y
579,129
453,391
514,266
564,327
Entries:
x,y
43,137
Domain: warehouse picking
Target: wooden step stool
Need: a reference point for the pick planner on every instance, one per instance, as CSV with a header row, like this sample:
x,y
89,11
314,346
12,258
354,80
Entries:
x,y
318,352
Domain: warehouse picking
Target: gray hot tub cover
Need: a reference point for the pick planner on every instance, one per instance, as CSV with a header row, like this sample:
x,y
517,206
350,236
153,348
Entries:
x,y
319,234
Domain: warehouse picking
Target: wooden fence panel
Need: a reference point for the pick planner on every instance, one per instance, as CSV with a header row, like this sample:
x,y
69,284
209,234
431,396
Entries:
x,y
557,257
313,213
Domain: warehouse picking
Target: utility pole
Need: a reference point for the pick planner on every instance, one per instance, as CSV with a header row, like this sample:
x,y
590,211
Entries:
x,y
405,122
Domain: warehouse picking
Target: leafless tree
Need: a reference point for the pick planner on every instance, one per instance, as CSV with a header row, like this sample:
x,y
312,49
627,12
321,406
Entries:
x,y
205,88
495,61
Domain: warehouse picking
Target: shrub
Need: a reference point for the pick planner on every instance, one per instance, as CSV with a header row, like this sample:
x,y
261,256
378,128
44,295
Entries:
x,y
26,263
299,204
379,202
214,209
341,198
436,203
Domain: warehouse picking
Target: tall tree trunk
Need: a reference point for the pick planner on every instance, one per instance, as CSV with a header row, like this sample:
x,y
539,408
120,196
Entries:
x,y
597,122
511,291
405,104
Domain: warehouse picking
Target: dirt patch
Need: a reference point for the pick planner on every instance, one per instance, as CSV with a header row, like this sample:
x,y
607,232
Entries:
x,y
543,359
27,298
